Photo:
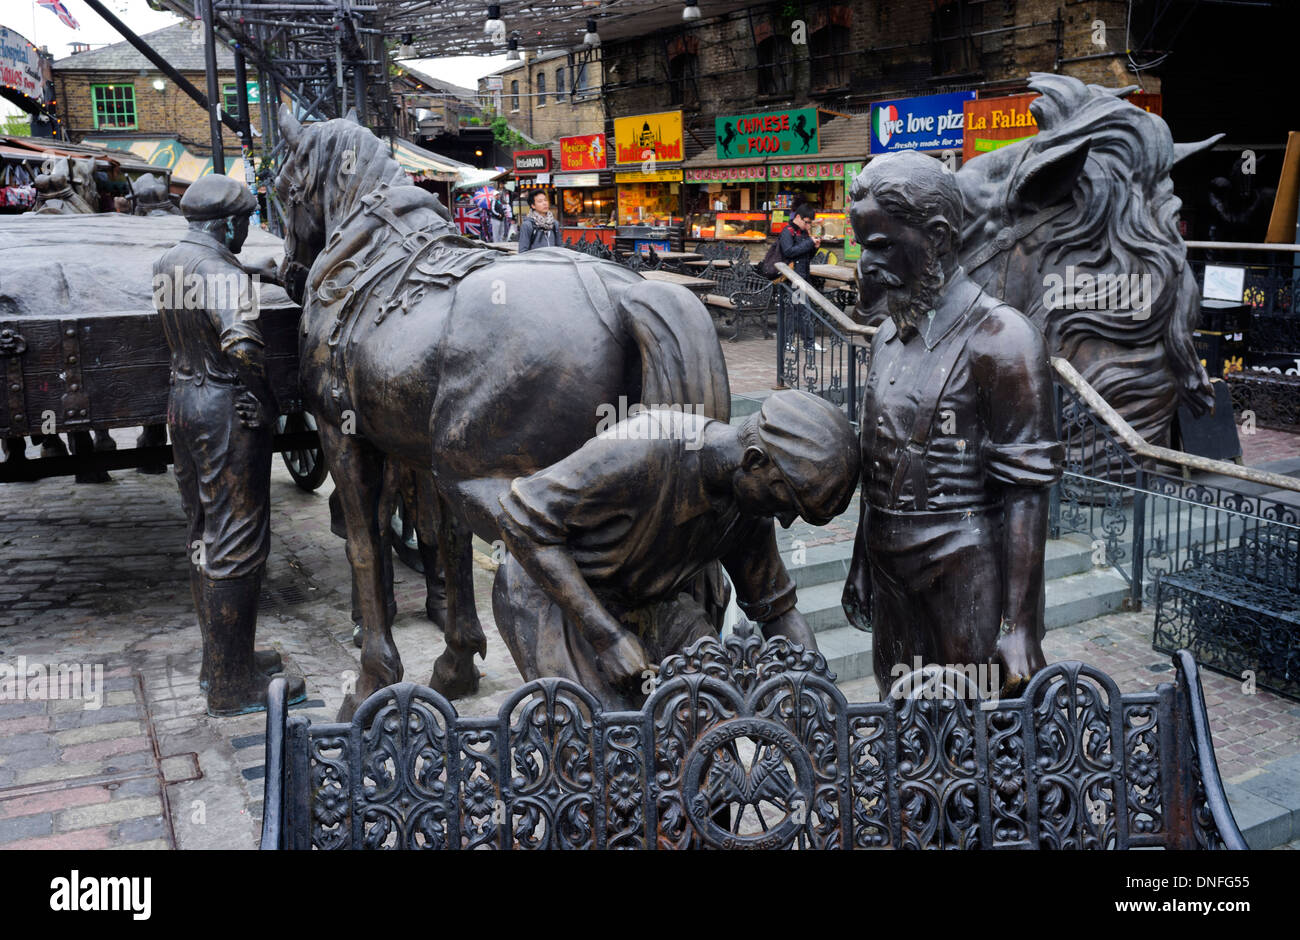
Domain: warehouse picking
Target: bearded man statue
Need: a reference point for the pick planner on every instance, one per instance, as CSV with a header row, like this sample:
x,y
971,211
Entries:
x,y
957,440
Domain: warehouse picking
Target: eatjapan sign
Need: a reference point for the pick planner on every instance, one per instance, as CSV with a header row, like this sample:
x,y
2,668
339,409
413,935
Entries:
x,y
779,133
646,137
933,122
20,67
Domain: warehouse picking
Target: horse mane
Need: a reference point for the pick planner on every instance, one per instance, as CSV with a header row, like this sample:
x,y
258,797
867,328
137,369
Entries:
x,y
344,162
1123,221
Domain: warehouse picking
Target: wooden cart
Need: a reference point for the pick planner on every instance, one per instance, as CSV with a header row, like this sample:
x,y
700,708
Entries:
x,y
82,348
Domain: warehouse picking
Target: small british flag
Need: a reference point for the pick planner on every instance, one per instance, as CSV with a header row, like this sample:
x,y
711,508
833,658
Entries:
x,y
58,9
468,221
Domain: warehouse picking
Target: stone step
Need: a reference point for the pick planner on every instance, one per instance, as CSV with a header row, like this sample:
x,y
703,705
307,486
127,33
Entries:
x,y
1077,592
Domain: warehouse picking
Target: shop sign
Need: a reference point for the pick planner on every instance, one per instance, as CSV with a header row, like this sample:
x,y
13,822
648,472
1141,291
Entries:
x,y
852,250
993,123
20,66
709,174
933,122
532,162
799,172
645,137
778,133
584,152
578,180
659,176
642,246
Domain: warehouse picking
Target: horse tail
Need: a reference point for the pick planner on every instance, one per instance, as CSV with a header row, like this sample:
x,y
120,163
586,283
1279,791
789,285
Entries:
x,y
681,358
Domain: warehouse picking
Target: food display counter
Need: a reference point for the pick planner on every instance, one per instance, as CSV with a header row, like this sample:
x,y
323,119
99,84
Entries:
x,y
587,215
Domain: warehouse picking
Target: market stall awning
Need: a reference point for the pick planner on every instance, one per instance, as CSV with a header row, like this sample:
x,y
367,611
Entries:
x,y
168,153
28,148
420,162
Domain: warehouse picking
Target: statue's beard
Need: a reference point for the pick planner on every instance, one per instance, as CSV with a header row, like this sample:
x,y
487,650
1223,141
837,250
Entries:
x,y
907,307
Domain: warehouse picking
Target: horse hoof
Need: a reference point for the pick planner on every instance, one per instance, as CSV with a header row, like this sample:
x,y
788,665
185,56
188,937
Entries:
x,y
453,678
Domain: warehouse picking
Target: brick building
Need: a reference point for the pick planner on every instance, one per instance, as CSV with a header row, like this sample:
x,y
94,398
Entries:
x,y
844,54
552,95
116,93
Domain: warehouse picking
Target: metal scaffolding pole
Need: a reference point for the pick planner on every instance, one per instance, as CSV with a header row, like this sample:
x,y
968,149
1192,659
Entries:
x,y
214,91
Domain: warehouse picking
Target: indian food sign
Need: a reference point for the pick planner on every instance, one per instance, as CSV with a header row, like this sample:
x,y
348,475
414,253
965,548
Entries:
x,y
645,137
773,133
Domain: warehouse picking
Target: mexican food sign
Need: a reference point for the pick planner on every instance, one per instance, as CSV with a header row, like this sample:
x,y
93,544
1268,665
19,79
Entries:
x,y
584,152
773,133
643,137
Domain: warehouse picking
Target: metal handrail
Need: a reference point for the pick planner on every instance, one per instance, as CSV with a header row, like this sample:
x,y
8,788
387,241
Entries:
x,y
1142,448
1242,246
835,313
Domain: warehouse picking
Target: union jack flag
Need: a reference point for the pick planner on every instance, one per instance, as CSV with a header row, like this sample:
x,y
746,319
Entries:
x,y
58,9
468,220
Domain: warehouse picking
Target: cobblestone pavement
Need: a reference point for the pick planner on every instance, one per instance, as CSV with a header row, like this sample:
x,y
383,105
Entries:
x,y
97,575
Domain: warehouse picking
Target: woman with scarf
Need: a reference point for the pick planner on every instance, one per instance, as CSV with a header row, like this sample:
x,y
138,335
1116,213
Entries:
x,y
539,228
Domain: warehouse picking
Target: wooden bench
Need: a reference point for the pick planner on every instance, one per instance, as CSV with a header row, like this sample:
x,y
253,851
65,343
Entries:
x,y
746,744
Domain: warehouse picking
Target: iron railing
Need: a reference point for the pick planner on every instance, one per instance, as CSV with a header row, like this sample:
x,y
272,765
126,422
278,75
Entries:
x,y
814,356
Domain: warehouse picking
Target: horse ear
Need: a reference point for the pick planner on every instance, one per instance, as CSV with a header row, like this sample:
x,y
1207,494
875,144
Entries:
x,y
1183,151
1047,178
352,116
290,129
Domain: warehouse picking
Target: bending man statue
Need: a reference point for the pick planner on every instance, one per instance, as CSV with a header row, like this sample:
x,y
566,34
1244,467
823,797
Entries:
x,y
958,442
605,545
221,414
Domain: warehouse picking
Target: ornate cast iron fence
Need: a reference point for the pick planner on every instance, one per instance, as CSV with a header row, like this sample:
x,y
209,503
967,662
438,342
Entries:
x,y
750,745
813,355
1146,520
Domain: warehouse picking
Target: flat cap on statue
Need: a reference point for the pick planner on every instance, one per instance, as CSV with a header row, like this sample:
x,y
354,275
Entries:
x,y
216,196
814,448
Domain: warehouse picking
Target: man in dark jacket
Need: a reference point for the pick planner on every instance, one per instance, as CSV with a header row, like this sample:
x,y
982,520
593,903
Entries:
x,y
797,243
539,229
797,249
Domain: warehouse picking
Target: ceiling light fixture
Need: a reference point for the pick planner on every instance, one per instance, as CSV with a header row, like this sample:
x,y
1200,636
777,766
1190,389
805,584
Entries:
x,y
592,38
495,28
512,50
692,10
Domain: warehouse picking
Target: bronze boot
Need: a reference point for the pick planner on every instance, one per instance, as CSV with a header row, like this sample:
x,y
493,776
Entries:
x,y
267,662
236,687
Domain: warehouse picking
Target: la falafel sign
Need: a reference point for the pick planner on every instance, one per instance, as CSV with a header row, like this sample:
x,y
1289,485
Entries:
x,y
776,133
933,122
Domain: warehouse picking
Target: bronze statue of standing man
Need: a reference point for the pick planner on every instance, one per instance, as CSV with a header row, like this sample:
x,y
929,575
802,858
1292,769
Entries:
x,y
958,442
221,414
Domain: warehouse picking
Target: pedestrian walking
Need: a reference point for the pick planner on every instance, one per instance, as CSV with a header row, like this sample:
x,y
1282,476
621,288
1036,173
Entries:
x,y
539,228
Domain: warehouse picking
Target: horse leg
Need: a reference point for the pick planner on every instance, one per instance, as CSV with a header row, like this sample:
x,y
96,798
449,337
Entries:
x,y
426,533
358,471
152,435
454,672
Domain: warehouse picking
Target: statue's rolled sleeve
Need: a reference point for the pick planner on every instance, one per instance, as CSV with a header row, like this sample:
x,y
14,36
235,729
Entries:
x,y
1021,448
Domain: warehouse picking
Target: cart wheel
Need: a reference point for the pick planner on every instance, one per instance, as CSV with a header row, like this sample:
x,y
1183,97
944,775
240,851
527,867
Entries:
x,y
307,467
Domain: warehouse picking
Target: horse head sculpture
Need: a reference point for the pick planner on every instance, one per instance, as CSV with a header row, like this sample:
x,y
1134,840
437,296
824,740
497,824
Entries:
x,y
328,170
1077,228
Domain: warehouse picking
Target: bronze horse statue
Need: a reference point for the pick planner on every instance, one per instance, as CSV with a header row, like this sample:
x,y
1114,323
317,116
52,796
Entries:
x,y
1084,203
466,365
